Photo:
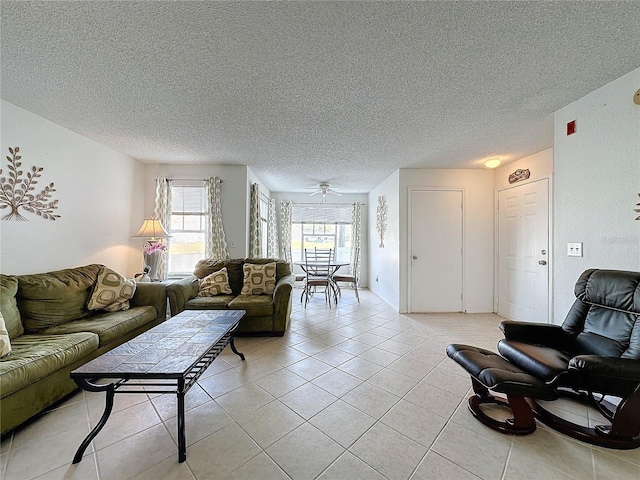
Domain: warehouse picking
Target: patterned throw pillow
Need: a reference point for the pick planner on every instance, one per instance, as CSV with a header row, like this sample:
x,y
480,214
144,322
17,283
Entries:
x,y
259,279
5,343
216,283
111,291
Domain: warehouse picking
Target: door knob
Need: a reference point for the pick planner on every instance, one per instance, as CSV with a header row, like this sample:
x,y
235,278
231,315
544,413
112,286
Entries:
x,y
415,257
542,262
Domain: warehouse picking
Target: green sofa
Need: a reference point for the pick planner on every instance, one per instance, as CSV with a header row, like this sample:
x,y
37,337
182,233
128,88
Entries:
x,y
266,314
52,333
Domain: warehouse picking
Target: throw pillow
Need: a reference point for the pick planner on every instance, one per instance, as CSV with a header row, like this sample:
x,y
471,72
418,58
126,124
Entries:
x,y
214,284
5,343
259,279
111,291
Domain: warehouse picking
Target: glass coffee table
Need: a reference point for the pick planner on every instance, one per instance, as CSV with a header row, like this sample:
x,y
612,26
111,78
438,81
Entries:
x,y
169,358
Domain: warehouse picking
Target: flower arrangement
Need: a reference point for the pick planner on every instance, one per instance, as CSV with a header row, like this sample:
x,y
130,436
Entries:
x,y
151,247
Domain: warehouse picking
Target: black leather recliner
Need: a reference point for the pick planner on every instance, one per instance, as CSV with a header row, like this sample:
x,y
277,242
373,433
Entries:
x,y
595,354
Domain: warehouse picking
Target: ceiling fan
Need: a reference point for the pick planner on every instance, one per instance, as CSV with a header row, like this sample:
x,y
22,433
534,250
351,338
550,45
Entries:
x,y
324,188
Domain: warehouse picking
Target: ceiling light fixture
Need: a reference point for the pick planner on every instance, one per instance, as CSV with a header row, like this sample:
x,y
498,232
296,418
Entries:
x,y
492,163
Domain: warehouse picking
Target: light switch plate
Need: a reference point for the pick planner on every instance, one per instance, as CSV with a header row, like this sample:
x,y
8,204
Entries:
x,y
574,249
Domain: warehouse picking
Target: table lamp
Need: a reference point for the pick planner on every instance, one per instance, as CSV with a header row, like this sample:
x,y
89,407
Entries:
x,y
153,248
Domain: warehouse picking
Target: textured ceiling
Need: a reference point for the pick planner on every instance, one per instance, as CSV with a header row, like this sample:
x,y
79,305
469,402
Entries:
x,y
304,92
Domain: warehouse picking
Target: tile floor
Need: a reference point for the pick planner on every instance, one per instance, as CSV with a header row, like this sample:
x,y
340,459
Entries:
x,y
354,392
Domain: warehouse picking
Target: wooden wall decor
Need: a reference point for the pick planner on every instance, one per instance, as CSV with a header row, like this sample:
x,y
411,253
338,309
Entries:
x,y
16,191
519,175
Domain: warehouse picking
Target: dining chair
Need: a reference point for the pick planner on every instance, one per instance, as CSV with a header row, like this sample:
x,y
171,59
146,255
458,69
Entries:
x,y
288,257
318,273
299,277
349,277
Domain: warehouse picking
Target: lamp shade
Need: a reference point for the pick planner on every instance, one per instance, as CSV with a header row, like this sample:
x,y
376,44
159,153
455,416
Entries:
x,y
152,228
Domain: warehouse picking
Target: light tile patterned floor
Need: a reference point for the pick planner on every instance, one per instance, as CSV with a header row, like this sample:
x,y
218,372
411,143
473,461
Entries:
x,y
353,392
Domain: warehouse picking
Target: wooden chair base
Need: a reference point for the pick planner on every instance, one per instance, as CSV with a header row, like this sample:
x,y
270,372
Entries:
x,y
522,423
524,392
527,410
622,434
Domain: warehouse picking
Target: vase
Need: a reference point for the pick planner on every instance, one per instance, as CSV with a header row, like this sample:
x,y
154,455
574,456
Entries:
x,y
153,260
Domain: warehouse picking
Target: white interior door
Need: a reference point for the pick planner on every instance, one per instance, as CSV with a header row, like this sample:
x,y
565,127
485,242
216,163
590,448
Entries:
x,y
436,251
523,252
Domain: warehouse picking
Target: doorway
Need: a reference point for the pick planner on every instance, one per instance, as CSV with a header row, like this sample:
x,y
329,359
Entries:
x,y
523,252
435,250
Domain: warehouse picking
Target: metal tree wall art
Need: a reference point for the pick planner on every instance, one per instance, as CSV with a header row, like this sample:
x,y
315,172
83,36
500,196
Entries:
x,y
16,192
637,210
381,218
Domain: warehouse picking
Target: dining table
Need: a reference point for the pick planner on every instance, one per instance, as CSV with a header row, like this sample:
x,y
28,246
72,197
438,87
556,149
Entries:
x,y
334,266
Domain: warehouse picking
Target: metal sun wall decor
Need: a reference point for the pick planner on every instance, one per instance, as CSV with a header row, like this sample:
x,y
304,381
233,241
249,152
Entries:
x,y
15,192
381,218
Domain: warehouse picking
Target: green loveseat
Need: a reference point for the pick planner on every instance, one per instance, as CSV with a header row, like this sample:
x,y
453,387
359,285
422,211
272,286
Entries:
x,y
52,333
266,314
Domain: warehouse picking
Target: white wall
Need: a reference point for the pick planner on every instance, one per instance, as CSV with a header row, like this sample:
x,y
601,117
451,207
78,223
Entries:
x,y
99,197
346,198
384,276
596,185
234,197
478,230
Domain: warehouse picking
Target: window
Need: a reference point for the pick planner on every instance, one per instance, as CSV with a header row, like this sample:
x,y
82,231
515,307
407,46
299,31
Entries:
x,y
321,226
188,223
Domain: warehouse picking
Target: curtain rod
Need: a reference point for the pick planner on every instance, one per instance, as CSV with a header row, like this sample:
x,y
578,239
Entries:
x,y
325,204
185,179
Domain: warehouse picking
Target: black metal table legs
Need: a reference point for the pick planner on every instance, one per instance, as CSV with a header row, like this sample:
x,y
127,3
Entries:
x,y
91,387
182,443
233,348
179,386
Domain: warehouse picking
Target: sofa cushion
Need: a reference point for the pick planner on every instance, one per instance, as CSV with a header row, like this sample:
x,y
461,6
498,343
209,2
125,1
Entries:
x,y
111,291
282,268
5,341
216,283
35,356
8,305
259,279
219,302
49,299
109,326
234,270
255,305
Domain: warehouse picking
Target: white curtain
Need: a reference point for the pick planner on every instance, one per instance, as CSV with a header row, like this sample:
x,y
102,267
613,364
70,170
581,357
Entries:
x,y
162,212
273,249
255,227
216,240
356,235
285,230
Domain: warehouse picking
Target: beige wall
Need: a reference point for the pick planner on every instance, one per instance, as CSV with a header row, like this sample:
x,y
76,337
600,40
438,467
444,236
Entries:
x,y
99,196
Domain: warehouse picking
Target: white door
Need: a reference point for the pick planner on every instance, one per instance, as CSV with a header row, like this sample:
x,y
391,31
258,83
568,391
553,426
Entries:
x,y
523,252
436,251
